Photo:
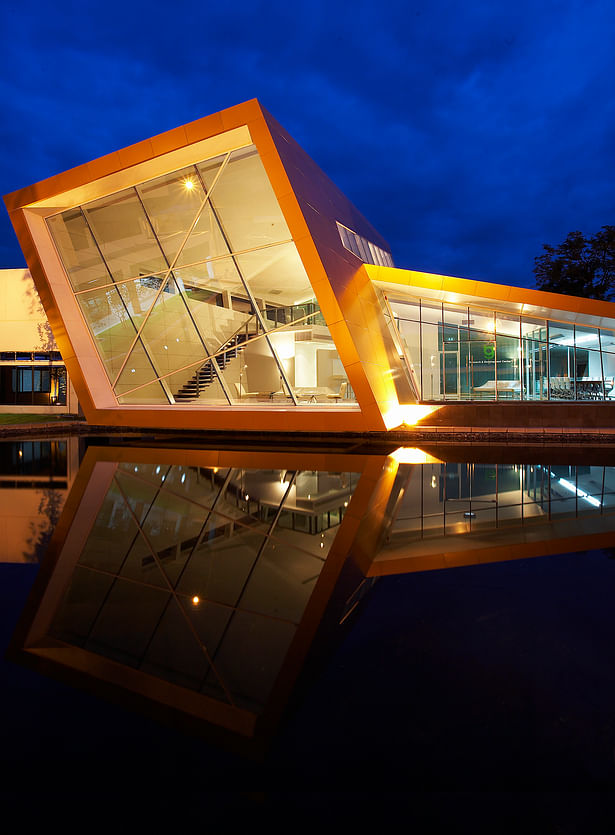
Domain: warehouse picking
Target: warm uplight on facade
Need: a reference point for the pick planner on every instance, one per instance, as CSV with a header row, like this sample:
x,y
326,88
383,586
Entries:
x,y
407,415
413,455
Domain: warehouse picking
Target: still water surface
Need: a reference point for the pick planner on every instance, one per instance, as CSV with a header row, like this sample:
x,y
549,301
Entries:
x,y
231,594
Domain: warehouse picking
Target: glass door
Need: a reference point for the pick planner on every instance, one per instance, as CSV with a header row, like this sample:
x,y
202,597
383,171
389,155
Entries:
x,y
450,375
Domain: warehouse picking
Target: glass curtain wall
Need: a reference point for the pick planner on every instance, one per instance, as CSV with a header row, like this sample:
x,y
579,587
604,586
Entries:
x,y
464,353
194,292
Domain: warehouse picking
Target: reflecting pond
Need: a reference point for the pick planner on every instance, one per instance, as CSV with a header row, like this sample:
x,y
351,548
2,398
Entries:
x,y
223,592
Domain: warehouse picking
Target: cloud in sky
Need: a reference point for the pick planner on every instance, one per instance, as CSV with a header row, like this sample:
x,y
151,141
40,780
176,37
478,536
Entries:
x,y
468,133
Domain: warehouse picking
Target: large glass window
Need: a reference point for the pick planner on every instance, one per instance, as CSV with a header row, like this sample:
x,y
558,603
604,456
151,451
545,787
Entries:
x,y
32,385
193,291
468,353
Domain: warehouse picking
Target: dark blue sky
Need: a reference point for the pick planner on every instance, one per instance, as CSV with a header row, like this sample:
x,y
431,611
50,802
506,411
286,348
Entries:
x,y
469,133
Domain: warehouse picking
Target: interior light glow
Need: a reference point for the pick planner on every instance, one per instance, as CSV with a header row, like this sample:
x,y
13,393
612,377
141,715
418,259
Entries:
x,y
188,183
196,600
580,493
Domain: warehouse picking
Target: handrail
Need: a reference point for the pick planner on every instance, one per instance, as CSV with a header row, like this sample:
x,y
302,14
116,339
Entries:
x,y
203,360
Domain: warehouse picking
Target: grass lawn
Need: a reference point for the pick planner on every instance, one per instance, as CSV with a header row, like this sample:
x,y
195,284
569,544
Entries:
x,y
9,419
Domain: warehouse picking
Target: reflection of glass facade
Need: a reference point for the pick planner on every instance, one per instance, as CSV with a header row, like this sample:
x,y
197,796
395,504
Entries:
x,y
465,499
33,462
464,353
200,576
193,291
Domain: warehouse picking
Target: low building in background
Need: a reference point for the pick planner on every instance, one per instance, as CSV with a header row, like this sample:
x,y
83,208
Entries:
x,y
33,376
214,277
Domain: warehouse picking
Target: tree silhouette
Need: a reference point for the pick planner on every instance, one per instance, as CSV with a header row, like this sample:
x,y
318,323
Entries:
x,y
579,266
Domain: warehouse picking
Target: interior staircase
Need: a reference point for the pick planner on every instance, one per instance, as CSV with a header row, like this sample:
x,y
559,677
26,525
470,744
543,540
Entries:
x,y
206,374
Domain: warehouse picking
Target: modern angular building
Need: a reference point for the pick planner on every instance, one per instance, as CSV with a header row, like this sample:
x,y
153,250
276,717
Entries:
x,y
214,277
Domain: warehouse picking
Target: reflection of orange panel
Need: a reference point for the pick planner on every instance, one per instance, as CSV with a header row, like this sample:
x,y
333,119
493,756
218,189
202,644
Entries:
x,y
385,565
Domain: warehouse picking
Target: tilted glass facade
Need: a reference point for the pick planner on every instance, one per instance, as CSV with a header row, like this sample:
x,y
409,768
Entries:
x,y
194,293
460,352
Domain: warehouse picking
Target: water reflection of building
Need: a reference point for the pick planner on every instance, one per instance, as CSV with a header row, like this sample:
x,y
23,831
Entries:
x,y
35,478
196,582
214,277
444,514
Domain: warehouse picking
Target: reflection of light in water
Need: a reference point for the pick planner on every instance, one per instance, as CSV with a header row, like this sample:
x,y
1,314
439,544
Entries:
x,y
580,493
568,485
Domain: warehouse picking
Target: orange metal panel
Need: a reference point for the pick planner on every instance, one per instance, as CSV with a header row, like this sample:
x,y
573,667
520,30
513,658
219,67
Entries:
x,y
103,166
169,141
134,154
237,418
204,128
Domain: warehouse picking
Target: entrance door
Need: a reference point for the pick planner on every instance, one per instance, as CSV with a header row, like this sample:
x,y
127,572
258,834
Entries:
x,y
451,375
